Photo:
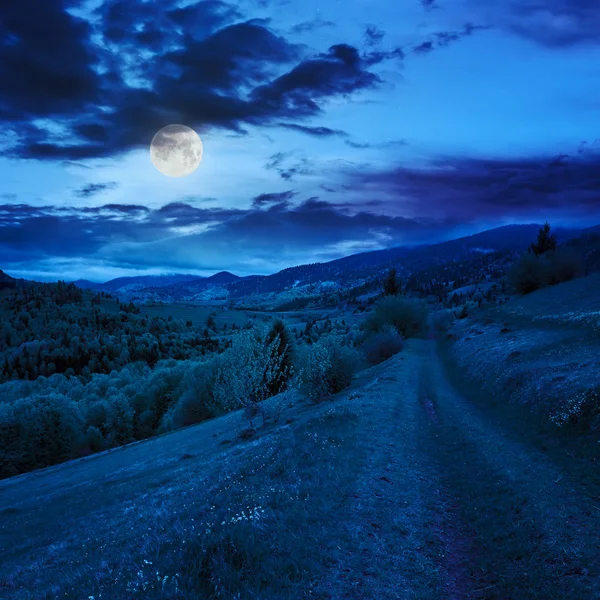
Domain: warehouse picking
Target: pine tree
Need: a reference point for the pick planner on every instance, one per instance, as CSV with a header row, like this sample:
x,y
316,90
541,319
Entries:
x,y
391,287
284,349
546,241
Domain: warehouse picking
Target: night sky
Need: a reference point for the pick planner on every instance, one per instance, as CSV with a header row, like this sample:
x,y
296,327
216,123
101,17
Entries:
x,y
329,128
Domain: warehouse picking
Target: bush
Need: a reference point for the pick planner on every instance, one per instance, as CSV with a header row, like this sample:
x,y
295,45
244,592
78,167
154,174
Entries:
x,y
565,264
443,320
407,315
38,431
194,405
327,368
247,372
383,345
529,273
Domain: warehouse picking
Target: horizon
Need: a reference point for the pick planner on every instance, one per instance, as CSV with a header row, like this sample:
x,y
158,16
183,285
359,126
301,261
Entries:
x,y
324,134
555,228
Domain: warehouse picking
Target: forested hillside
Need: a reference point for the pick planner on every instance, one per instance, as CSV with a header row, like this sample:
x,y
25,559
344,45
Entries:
x,y
59,328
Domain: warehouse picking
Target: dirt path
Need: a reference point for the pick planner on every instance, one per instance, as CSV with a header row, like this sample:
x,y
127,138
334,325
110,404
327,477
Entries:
x,y
447,505
526,527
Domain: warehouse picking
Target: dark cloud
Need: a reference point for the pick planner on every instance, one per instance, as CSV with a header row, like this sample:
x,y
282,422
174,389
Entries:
x,y
553,23
339,72
46,61
289,166
308,26
314,131
423,48
445,38
207,68
478,189
380,208
373,35
378,145
374,57
131,235
92,189
278,199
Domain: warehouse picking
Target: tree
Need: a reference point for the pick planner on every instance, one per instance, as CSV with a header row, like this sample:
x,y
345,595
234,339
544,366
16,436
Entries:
x,y
279,335
391,287
546,241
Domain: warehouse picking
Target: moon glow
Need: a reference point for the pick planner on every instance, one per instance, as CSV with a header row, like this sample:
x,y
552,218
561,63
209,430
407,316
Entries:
x,y
176,150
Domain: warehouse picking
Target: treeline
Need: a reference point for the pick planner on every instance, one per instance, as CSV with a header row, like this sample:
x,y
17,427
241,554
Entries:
x,y
546,263
59,328
52,419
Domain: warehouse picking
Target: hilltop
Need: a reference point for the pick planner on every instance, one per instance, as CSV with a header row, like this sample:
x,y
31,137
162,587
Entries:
x,y
428,268
541,350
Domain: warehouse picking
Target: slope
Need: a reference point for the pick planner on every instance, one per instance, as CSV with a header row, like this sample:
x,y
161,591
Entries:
x,y
398,488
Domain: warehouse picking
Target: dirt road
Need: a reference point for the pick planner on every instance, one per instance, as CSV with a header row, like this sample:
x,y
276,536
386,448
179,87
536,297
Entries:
x,y
482,513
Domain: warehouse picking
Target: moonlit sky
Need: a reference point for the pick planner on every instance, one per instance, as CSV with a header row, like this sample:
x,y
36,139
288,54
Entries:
x,y
328,128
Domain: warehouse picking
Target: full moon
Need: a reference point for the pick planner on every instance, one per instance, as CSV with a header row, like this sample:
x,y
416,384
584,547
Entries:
x,y
176,150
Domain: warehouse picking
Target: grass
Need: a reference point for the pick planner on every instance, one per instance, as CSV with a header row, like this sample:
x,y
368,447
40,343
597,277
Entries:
x,y
306,509
540,350
195,511
529,525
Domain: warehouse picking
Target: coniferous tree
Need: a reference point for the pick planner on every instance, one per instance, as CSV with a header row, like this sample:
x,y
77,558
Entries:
x,y
546,241
391,287
284,350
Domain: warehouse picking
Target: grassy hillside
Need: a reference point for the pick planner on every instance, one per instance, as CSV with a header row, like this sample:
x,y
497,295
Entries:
x,y
398,487
541,350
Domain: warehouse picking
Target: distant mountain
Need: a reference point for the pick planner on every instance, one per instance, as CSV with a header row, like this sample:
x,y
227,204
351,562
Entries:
x,y
6,281
137,282
222,277
485,252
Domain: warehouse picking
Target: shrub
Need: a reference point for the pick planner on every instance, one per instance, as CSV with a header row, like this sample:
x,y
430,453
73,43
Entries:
x,y
565,264
407,315
194,404
247,372
38,431
529,273
443,320
119,422
383,345
327,368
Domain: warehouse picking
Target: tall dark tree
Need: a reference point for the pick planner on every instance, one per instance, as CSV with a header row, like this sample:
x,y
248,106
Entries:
x,y
546,241
285,350
391,287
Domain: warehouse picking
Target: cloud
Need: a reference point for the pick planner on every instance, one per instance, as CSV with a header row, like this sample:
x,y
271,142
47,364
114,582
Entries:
x,y
476,189
338,72
552,23
314,131
180,236
374,57
92,189
277,198
373,35
379,207
442,39
289,166
46,61
378,145
201,65
309,26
